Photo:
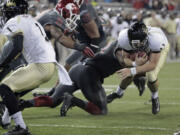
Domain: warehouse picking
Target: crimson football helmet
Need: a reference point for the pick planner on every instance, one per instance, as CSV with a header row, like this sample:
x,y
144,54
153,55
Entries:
x,y
70,12
64,2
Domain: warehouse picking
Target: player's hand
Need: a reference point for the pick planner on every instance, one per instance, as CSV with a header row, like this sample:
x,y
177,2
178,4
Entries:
x,y
141,60
88,52
124,73
83,48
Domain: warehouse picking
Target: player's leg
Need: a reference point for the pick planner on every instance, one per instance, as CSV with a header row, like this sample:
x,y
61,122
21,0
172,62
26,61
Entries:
x,y
140,82
48,101
56,98
152,78
93,91
72,59
120,90
24,78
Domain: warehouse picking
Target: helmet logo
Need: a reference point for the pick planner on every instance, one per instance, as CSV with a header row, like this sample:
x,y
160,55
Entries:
x,y
10,3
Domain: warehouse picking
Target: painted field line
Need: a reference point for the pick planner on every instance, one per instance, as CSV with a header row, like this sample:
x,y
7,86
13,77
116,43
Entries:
x,y
99,127
149,103
107,88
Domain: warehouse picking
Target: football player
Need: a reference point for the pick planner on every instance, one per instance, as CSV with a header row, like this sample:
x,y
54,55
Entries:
x,y
58,24
22,34
154,42
89,31
88,77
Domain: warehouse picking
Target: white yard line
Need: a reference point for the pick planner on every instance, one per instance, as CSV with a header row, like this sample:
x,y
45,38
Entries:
x,y
107,87
110,88
99,127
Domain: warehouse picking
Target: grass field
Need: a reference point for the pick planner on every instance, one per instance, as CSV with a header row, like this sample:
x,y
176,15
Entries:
x,y
127,116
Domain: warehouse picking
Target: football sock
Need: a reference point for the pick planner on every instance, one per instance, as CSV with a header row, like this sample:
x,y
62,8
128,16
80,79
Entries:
x,y
43,101
18,119
87,106
154,94
9,99
120,91
6,119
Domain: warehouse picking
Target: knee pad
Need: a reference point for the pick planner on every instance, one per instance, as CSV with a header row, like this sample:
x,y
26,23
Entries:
x,y
153,86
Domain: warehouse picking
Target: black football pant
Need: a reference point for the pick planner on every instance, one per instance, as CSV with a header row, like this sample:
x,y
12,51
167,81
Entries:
x,y
88,80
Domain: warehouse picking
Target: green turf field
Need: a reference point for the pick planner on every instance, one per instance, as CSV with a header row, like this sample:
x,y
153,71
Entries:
x,y
127,116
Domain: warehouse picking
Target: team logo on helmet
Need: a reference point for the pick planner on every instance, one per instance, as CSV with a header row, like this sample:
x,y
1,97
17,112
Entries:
x,y
70,12
12,8
137,35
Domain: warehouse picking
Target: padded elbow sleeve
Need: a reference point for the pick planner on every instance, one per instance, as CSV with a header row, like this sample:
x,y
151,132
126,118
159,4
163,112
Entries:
x,y
11,49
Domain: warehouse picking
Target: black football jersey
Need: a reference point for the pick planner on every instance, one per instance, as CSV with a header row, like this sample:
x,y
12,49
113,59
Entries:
x,y
105,61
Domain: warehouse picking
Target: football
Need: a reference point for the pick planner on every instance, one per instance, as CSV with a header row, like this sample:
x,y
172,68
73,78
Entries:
x,y
132,56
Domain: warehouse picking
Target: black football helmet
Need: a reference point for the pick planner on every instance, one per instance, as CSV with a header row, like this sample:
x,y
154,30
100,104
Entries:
x,y
12,8
137,34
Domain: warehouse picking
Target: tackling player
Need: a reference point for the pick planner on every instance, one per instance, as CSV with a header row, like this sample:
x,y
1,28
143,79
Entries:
x,y
88,77
89,31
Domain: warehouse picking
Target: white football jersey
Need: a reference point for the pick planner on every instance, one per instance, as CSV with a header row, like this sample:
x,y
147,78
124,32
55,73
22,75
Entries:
x,y
36,47
156,40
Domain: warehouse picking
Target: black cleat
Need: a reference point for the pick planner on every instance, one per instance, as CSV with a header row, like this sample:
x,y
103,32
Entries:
x,y
155,105
113,96
67,103
18,131
140,84
24,104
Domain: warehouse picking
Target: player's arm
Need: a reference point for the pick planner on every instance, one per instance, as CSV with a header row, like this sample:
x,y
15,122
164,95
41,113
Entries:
x,y
129,59
90,27
123,59
68,41
11,49
149,66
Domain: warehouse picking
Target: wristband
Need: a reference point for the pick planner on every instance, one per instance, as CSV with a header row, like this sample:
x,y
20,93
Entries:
x,y
133,71
134,64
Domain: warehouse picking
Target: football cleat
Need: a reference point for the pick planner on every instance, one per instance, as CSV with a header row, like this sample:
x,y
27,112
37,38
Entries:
x,y
17,130
155,105
113,96
67,103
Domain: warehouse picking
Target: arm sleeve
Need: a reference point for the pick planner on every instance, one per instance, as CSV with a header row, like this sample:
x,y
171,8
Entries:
x,y
11,49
